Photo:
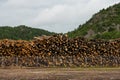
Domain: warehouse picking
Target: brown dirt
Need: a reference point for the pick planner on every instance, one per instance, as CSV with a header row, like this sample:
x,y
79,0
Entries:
x,y
61,74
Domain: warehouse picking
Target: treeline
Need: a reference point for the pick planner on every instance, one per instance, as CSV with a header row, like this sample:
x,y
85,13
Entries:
x,y
21,32
103,25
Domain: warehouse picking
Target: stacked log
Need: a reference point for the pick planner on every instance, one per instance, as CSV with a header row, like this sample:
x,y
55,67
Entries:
x,y
59,50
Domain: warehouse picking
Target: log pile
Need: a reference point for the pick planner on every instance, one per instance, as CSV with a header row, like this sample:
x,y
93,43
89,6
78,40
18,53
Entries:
x,y
59,50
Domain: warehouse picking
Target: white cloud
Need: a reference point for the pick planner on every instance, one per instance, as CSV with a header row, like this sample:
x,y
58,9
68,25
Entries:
x,y
53,15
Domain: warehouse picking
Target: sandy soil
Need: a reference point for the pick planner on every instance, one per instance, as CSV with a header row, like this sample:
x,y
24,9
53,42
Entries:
x,y
61,74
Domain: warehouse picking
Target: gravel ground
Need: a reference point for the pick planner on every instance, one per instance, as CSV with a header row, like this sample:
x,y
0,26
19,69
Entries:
x,y
61,74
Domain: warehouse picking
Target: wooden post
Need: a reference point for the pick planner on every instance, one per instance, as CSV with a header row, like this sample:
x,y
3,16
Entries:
x,y
17,60
2,64
37,61
85,61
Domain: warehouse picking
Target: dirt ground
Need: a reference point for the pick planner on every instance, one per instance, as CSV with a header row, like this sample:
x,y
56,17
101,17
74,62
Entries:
x,y
61,74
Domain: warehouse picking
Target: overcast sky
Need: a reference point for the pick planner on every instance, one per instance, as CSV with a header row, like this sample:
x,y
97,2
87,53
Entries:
x,y
52,15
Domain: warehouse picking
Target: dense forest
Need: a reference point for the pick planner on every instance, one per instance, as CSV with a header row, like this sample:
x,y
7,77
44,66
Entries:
x,y
104,25
21,32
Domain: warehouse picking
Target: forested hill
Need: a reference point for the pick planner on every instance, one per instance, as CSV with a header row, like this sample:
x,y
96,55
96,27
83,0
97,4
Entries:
x,y
104,25
21,32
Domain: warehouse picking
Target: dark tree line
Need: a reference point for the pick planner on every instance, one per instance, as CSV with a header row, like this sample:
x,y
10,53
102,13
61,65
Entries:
x,y
21,32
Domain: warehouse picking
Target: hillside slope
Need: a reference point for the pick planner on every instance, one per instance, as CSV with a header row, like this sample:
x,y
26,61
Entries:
x,y
21,32
105,24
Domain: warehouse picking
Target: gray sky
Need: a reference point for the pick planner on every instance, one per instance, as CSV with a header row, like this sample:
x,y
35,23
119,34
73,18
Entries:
x,y
52,15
